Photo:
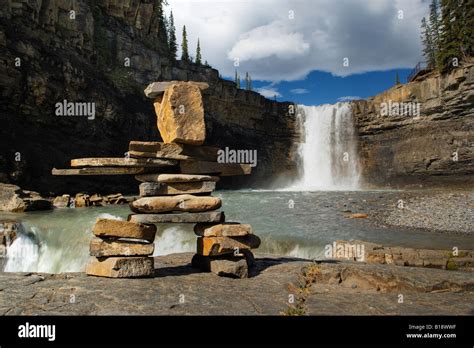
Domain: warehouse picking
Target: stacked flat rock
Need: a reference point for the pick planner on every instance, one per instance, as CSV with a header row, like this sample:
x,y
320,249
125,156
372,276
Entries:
x,y
178,176
185,197
121,249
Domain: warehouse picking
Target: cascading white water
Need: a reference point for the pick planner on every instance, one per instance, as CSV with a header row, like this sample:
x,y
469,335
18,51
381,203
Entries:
x,y
328,153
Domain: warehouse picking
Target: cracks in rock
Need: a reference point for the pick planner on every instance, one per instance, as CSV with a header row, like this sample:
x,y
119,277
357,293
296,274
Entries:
x,y
300,292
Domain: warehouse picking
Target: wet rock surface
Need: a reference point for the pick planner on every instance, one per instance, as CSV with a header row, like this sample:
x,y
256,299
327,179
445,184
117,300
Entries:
x,y
340,288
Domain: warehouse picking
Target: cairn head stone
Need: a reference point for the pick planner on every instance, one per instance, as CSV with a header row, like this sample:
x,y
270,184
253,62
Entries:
x,y
181,115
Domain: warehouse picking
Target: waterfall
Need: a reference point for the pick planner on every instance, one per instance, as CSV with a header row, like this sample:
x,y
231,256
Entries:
x,y
328,153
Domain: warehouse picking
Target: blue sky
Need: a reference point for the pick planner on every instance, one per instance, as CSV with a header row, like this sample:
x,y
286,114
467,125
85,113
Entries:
x,y
325,88
291,46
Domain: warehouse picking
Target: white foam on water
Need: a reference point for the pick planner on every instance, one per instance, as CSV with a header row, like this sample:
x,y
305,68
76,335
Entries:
x,y
175,239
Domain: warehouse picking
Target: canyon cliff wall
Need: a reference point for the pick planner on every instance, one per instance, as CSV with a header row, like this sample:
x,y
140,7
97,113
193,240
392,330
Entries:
x,y
48,57
434,148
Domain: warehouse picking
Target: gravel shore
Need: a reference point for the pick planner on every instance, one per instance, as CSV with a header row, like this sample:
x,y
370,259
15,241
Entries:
x,y
448,212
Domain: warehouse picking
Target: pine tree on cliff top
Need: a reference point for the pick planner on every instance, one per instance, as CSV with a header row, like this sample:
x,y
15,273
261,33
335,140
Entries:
x,y
198,54
248,82
426,38
397,79
160,17
450,41
184,46
434,24
173,46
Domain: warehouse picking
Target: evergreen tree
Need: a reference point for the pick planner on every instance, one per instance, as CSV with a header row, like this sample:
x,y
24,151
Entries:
x,y
198,54
235,77
173,46
248,82
206,63
468,39
426,38
238,81
434,25
449,43
184,46
160,18
397,79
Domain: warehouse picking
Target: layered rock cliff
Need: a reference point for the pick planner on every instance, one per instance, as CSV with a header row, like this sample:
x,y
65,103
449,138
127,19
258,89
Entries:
x,y
48,57
435,147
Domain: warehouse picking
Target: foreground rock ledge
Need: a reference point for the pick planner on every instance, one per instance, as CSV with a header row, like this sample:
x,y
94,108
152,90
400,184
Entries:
x,y
345,288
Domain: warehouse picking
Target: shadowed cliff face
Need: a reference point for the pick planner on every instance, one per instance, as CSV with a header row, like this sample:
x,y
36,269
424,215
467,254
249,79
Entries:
x,y
50,57
434,148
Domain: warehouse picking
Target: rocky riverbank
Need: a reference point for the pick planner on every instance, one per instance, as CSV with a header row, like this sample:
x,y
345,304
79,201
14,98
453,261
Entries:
x,y
278,286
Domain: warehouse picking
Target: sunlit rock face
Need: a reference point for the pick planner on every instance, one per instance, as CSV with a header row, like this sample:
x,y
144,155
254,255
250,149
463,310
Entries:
x,y
419,133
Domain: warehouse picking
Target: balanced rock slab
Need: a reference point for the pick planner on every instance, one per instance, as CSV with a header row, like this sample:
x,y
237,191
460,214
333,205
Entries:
x,y
213,246
231,266
156,89
156,149
227,229
163,204
106,247
123,229
100,171
148,189
205,167
181,116
211,216
121,162
121,267
175,178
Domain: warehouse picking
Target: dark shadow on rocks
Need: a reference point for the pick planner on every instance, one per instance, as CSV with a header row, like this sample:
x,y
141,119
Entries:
x,y
185,268
179,270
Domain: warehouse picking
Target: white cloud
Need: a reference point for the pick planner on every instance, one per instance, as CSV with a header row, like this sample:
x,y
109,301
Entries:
x,y
348,98
267,41
299,91
268,91
273,47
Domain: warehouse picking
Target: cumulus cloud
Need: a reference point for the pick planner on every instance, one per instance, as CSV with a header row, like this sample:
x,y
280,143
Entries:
x,y
284,40
348,98
299,91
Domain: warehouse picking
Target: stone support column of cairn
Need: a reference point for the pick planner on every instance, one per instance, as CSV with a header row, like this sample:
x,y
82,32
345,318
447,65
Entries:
x,y
177,179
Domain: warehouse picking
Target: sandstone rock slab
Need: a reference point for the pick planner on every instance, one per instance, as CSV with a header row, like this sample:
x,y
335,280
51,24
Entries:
x,y
175,178
123,229
211,216
121,267
109,247
228,229
121,162
231,266
188,203
156,149
181,116
100,171
205,167
156,89
213,246
148,189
